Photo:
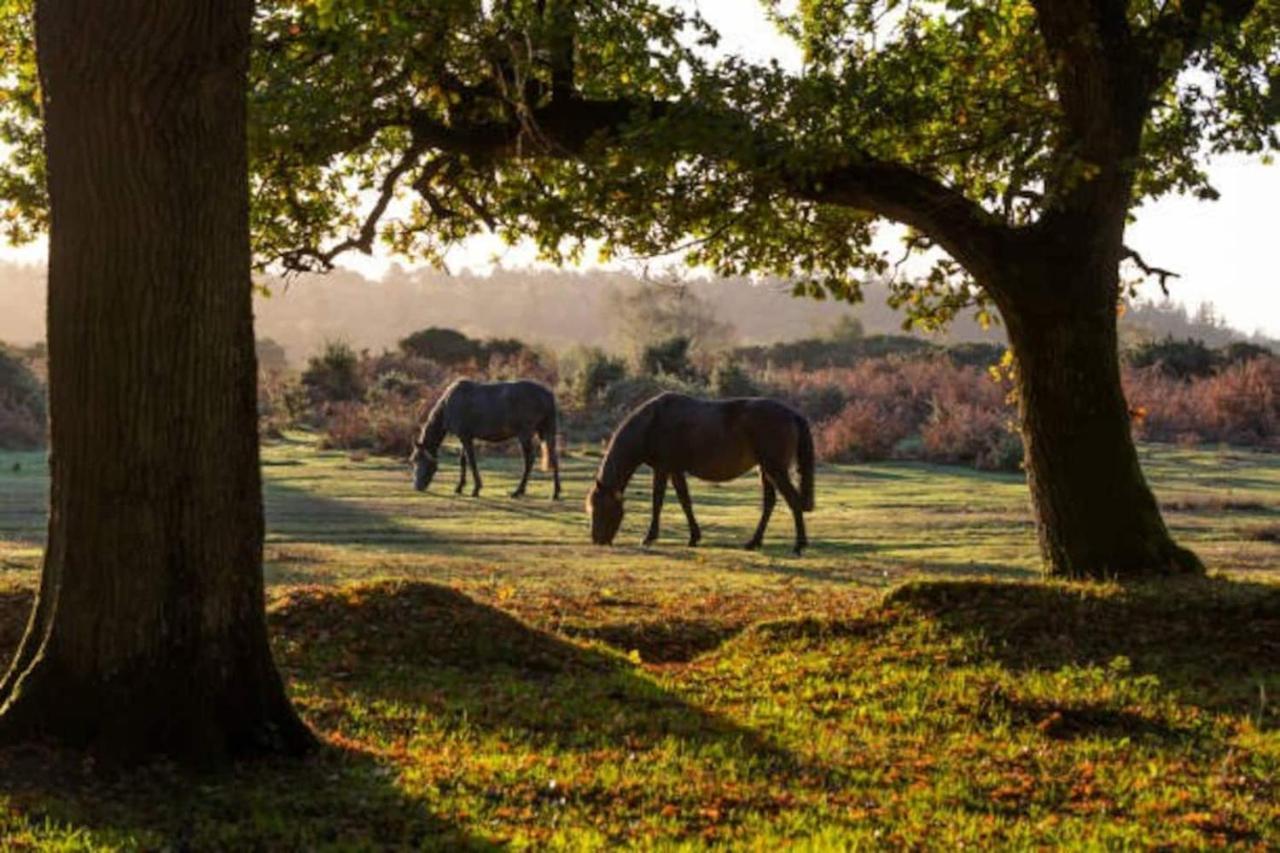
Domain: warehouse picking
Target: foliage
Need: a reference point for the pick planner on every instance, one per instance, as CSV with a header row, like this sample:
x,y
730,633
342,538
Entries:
x,y
587,372
1180,359
443,346
22,402
1239,352
832,352
730,379
976,353
333,375
669,357
1240,404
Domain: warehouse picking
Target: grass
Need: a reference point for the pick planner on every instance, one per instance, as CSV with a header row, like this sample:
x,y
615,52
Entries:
x,y
483,677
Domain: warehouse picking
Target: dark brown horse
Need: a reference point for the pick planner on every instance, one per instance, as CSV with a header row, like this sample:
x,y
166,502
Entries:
x,y
489,411
714,440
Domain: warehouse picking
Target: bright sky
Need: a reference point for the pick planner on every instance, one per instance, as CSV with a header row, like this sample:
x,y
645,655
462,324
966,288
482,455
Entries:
x,y
1225,251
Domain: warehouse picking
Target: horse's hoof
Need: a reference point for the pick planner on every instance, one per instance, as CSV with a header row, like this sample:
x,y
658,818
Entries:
x,y
517,494
694,540
753,545
475,493
799,549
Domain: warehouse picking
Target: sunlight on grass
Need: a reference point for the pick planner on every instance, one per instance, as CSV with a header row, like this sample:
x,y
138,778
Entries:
x,y
482,676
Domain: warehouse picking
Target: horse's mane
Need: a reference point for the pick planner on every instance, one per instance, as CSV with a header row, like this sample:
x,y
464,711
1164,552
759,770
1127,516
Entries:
x,y
433,429
622,457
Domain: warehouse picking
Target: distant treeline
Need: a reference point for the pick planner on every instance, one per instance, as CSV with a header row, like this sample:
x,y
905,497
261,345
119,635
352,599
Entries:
x,y
559,309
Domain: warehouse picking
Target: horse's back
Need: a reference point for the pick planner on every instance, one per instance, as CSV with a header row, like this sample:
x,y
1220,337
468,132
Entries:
x,y
719,440
497,411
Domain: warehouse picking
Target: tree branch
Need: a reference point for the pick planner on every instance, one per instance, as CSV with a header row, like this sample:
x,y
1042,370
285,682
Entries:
x,y
1162,274
311,259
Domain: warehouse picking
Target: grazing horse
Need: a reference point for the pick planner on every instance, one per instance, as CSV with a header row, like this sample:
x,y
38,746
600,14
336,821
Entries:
x,y
714,440
489,411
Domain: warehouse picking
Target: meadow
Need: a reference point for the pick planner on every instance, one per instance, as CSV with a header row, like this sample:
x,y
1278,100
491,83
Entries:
x,y
481,675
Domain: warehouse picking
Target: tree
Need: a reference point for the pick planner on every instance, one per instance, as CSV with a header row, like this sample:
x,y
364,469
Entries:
x,y
1012,137
149,631
443,346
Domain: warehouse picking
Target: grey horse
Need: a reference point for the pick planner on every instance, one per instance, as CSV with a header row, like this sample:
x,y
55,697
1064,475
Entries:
x,y
489,411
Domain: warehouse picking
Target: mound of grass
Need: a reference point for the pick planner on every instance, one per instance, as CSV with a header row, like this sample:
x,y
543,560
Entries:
x,y
946,713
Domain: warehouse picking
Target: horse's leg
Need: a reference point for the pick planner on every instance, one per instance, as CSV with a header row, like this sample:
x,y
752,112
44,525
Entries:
x,y
526,447
659,492
462,479
789,494
682,492
469,446
770,498
552,455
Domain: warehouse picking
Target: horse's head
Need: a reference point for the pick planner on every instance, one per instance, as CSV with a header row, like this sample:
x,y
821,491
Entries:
x,y
604,506
424,464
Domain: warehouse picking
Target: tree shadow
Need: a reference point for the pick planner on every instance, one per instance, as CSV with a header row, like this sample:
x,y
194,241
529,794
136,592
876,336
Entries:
x,y
424,645
1213,642
301,516
341,797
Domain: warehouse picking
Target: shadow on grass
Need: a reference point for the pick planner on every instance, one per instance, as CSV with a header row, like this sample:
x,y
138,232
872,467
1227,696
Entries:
x,y
297,515
1213,642
339,798
661,641
474,667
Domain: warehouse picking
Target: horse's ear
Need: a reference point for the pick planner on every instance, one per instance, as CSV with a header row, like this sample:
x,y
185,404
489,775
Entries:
x,y
599,485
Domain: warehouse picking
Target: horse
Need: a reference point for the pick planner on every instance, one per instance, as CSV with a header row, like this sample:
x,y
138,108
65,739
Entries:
x,y
715,440
489,411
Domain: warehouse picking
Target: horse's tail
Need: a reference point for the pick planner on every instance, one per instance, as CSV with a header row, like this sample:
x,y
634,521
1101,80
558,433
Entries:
x,y
550,455
804,461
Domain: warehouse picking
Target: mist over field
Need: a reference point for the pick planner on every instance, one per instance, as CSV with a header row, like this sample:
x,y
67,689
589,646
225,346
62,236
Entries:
x,y
556,309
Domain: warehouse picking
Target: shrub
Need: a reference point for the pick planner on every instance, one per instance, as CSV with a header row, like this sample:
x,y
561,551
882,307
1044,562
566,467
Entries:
x,y
728,379
1239,352
334,375
1241,404
927,408
588,371
625,394
863,430
22,403
975,354
443,346
1181,359
392,385
971,433
812,353
387,427
668,358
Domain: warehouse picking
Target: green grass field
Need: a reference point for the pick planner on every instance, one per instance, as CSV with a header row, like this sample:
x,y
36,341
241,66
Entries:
x,y
481,675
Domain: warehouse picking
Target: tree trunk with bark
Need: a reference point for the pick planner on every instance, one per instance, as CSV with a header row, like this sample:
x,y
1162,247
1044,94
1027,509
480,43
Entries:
x,y
149,632
1096,517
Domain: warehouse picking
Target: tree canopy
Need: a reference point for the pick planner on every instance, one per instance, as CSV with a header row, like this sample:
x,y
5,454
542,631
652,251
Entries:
x,y
610,121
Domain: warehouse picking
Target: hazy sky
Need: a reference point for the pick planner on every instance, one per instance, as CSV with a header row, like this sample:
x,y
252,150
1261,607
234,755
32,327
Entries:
x,y
1225,251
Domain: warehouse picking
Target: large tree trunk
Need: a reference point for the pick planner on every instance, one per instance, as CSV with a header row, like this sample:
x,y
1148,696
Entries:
x,y
1096,517
149,633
